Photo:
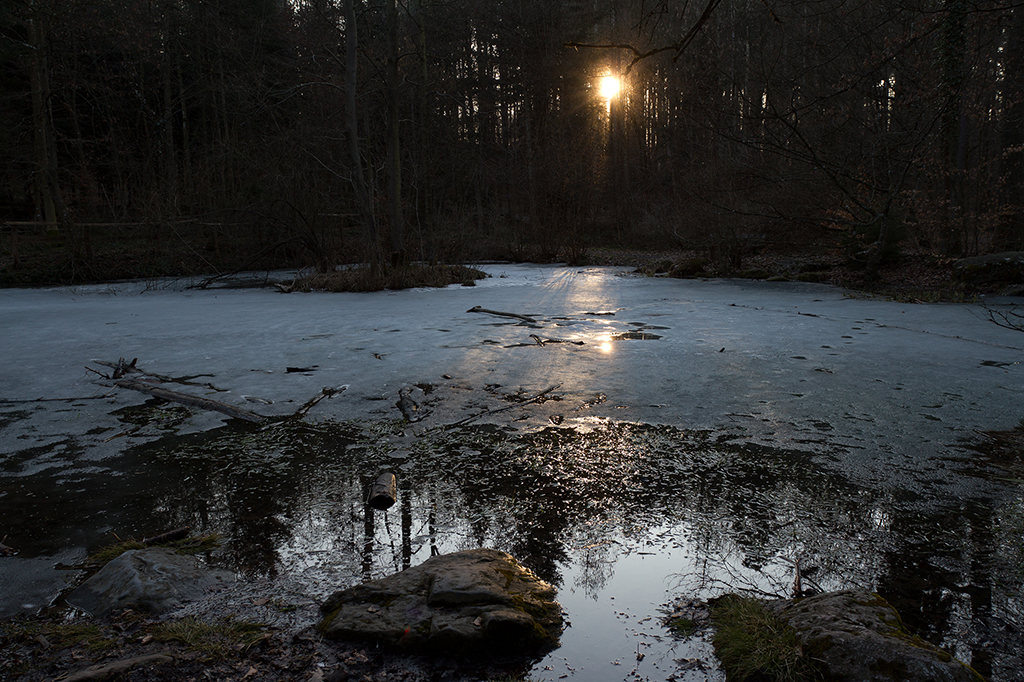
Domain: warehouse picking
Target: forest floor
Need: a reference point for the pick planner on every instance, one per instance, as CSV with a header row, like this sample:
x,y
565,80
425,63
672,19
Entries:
x,y
129,647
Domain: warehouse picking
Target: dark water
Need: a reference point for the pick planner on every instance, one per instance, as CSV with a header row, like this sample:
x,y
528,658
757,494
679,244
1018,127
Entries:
x,y
621,518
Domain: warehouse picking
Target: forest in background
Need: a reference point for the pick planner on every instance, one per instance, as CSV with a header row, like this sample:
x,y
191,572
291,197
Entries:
x,y
175,137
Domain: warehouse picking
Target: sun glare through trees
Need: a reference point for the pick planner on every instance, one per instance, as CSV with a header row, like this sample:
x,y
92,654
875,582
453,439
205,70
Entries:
x,y
609,87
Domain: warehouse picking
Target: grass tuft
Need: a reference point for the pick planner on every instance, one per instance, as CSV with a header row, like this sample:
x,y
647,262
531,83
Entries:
x,y
753,643
193,544
213,639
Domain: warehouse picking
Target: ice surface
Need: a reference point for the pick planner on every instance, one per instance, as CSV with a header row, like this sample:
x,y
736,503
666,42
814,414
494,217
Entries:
x,y
782,361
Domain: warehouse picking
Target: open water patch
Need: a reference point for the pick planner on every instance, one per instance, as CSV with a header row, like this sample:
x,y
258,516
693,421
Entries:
x,y
621,517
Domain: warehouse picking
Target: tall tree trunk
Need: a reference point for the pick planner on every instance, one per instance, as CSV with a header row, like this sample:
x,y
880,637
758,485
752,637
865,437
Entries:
x,y
170,161
1010,231
352,132
394,164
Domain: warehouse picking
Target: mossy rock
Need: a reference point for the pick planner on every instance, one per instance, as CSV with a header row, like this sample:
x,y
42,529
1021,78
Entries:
x,y
858,635
475,602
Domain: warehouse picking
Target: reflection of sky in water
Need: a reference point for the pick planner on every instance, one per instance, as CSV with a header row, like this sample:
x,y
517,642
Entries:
x,y
621,517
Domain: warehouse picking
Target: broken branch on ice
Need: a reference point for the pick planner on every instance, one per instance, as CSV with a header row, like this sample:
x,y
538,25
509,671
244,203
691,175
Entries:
x,y
543,340
524,318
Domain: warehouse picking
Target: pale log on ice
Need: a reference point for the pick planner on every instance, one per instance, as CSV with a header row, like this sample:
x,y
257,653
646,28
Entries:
x,y
383,492
193,400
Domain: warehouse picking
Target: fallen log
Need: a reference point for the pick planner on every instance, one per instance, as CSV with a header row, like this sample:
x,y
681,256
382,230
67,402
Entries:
x,y
191,400
524,318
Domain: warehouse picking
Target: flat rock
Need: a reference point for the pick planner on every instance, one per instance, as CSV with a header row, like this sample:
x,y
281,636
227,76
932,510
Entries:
x,y
475,601
155,580
861,638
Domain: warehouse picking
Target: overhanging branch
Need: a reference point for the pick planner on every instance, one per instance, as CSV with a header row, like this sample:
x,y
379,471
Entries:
x,y
639,55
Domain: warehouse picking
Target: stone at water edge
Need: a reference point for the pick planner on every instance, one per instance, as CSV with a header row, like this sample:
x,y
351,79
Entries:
x,y
477,601
155,580
860,638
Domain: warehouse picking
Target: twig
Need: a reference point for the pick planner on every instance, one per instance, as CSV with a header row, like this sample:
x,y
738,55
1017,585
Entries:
x,y
5,550
169,536
502,409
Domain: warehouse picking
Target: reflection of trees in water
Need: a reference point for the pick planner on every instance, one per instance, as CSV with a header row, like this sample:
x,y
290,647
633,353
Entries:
x,y
739,511
596,562
943,589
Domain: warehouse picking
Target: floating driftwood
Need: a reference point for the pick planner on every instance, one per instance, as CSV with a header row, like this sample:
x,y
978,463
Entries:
x,y
409,408
524,318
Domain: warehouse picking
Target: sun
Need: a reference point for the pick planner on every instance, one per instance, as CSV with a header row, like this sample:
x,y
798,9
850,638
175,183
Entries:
x,y
609,86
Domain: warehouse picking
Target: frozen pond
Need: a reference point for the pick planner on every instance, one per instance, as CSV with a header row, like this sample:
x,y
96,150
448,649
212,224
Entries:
x,y
698,436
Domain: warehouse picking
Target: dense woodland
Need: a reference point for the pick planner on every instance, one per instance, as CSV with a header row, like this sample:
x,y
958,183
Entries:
x,y
166,136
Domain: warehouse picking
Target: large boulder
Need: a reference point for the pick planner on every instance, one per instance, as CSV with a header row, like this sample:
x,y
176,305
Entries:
x,y
860,638
155,580
1005,269
479,601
